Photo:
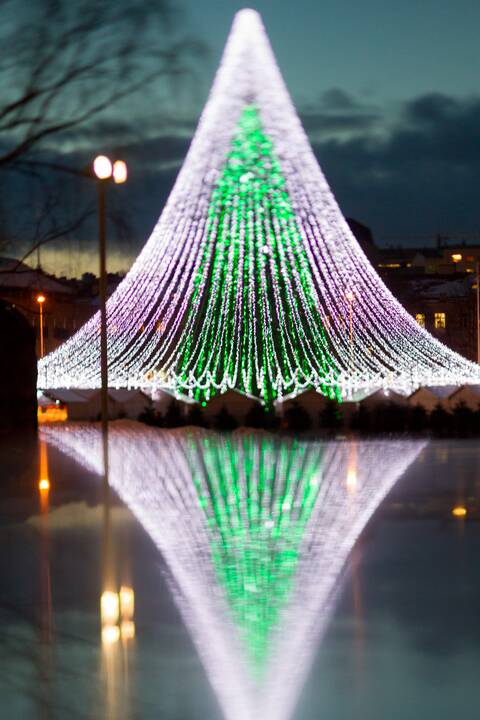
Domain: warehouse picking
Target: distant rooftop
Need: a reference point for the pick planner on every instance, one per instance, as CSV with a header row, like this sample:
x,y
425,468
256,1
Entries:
x,y
15,274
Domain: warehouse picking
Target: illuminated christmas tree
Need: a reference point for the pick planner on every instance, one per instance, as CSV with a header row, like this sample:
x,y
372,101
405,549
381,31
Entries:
x,y
252,279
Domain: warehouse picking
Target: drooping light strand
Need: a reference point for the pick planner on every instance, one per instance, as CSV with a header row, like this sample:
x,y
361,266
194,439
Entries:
x,y
252,278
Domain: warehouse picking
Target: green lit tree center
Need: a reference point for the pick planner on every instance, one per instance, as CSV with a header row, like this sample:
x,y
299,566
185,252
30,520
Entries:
x,y
257,503
253,314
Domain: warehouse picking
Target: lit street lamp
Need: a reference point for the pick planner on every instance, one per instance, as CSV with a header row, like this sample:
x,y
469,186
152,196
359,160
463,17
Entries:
x,y
105,171
40,300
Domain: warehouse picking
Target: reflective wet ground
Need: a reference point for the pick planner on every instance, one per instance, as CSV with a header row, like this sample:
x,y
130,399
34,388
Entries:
x,y
238,576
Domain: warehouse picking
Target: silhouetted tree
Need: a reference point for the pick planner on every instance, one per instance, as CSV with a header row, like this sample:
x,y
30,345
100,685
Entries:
x,y
417,419
476,423
260,417
174,416
361,419
196,417
150,416
331,416
389,418
463,420
297,419
440,421
224,421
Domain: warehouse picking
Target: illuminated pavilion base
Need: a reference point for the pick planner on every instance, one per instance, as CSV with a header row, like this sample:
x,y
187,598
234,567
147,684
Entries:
x,y
255,532
349,392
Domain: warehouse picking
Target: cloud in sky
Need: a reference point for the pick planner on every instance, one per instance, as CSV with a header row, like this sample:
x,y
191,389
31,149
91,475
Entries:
x,y
419,178
408,171
336,113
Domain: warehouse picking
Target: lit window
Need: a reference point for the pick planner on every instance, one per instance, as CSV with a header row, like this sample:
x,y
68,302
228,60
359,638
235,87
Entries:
x,y
440,320
420,318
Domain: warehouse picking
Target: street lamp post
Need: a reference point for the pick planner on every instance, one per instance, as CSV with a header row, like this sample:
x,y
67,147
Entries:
x,y
40,300
105,171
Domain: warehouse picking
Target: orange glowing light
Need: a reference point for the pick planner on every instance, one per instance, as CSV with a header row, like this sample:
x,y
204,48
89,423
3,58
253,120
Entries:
x,y
459,511
456,257
120,172
44,485
102,167
52,413
41,299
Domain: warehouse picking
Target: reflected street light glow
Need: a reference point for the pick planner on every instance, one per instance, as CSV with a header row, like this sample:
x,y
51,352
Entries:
x,y
109,607
127,630
110,634
127,602
459,511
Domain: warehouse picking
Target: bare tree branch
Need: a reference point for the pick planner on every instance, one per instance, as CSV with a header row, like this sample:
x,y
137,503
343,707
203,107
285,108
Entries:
x,y
65,64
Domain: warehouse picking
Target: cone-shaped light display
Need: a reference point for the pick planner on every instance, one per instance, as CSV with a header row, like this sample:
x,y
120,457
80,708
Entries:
x,y
252,279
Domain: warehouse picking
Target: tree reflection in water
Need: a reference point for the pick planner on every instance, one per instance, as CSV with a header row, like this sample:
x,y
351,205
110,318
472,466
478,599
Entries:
x,y
256,530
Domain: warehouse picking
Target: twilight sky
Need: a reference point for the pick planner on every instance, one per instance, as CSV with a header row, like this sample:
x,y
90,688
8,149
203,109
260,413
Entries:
x,y
388,92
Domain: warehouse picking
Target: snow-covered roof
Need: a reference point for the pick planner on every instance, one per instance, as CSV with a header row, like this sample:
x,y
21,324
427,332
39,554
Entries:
x,y
475,389
125,396
439,391
435,287
67,396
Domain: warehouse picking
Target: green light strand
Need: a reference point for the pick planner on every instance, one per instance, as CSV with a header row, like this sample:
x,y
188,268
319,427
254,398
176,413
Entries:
x,y
253,309
257,502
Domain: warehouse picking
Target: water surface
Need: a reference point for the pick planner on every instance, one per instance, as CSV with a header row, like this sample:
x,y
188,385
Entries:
x,y
271,577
